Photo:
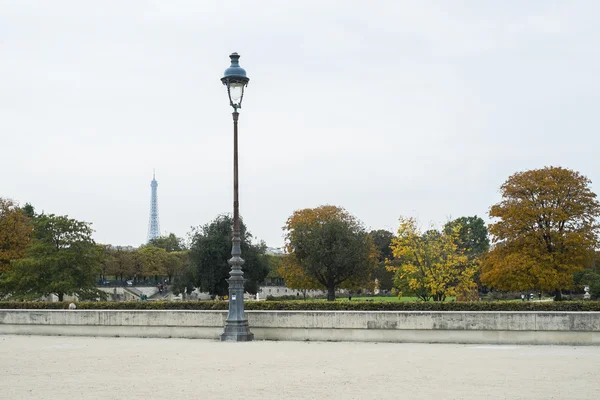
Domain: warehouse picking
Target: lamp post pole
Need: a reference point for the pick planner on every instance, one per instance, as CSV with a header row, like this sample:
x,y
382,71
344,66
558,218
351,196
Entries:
x,y
236,325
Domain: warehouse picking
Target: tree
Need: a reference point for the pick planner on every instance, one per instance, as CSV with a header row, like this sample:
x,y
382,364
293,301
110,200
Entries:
x,y
330,246
430,265
106,260
211,249
138,270
121,263
169,243
29,211
62,259
153,261
472,235
383,241
181,274
184,282
15,233
590,277
472,239
175,263
294,275
546,231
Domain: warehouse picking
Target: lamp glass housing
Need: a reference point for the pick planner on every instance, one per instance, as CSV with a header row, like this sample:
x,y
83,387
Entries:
x,y
236,91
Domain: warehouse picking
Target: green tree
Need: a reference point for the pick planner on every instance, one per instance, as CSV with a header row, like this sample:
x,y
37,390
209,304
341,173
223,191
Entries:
x,y
472,239
121,263
183,278
29,211
546,231
274,276
62,259
106,260
472,235
590,277
211,249
138,270
184,282
175,263
169,243
153,260
383,241
330,246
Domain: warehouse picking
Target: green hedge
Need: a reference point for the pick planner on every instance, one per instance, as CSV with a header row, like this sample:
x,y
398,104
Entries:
x,y
316,306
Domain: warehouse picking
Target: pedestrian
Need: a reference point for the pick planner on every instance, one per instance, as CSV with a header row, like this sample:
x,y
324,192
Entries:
x,y
522,297
540,295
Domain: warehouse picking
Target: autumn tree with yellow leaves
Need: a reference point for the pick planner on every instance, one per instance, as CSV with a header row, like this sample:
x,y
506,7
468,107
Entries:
x,y
430,265
328,246
15,233
546,231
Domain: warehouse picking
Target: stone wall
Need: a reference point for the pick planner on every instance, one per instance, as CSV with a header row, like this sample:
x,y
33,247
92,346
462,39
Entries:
x,y
379,326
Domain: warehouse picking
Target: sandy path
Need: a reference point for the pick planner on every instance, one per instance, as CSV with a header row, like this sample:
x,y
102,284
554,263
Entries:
x,y
38,367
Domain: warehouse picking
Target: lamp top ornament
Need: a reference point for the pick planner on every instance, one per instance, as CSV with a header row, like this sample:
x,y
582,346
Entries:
x,y
235,79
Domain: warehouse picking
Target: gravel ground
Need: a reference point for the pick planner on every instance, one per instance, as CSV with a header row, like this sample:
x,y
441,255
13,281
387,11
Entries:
x,y
45,367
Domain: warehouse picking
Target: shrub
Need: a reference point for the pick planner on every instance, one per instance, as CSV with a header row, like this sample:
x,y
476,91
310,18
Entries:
x,y
301,305
283,298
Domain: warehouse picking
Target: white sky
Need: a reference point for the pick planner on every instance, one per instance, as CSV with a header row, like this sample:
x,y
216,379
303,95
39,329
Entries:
x,y
387,108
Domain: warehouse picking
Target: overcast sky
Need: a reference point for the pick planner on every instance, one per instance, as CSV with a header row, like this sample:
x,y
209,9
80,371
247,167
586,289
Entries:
x,y
387,108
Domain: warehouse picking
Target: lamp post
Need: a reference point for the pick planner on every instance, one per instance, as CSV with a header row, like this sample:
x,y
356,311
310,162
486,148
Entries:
x,y
236,326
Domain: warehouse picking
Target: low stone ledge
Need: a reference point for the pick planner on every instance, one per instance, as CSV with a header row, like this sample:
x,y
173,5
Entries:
x,y
390,326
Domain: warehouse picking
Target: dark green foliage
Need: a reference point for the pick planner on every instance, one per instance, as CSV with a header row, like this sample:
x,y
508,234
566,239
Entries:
x,y
590,277
169,243
473,235
317,306
29,210
183,282
211,249
382,240
332,248
384,277
62,259
595,289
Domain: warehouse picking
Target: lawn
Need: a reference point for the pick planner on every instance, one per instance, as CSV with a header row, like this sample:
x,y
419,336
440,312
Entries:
x,y
376,299
393,299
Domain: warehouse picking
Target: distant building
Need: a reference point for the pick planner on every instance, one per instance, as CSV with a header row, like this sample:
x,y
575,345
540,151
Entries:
x,y
124,248
275,251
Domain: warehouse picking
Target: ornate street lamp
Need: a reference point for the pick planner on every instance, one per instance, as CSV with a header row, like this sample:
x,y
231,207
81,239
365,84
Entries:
x,y
236,326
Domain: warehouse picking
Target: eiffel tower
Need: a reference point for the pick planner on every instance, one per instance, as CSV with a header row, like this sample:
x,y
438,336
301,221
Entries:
x,y
153,225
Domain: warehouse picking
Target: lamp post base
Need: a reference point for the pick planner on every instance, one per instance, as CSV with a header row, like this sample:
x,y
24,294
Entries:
x,y
237,331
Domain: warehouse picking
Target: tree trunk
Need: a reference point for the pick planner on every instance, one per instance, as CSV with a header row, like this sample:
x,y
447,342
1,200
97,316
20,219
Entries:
x,y
330,293
60,296
558,295
439,297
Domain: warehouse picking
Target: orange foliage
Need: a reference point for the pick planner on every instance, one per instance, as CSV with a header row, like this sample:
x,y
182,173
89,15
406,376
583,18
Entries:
x,y
15,233
546,232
